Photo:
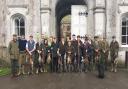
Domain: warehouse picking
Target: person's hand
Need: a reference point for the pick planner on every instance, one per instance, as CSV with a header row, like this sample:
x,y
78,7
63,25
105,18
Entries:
x,y
96,50
116,54
57,52
69,52
38,51
30,53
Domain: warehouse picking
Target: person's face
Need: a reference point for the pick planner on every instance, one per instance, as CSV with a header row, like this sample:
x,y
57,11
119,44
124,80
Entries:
x,y
67,38
42,37
73,37
89,37
22,37
104,39
114,39
46,41
51,39
14,37
96,39
54,40
62,39
78,38
100,38
69,43
86,40
30,38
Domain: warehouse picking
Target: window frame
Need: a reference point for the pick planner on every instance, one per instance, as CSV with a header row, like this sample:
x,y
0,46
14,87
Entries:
x,y
17,27
124,18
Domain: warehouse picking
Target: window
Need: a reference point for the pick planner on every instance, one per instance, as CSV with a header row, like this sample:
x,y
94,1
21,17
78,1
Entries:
x,y
19,25
125,30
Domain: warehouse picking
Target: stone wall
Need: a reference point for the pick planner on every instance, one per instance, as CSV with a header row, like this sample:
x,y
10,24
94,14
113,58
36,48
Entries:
x,y
4,54
2,20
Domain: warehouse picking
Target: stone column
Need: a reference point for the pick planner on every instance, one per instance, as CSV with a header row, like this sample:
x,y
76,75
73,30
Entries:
x,y
111,13
53,18
90,18
45,17
99,13
2,22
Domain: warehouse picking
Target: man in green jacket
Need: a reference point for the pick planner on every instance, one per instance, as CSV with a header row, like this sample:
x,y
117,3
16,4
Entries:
x,y
114,49
14,55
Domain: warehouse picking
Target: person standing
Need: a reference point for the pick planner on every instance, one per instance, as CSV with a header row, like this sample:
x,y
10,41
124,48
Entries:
x,y
105,50
85,54
74,44
14,55
49,55
37,58
54,49
43,53
62,51
90,52
79,53
22,57
30,47
114,49
101,59
96,45
69,54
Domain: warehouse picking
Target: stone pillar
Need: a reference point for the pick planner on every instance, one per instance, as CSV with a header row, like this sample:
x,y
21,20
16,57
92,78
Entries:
x,y
2,22
45,17
111,13
99,13
37,18
33,18
90,18
53,18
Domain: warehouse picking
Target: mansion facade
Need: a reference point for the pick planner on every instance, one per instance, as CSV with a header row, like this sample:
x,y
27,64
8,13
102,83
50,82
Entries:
x,y
93,17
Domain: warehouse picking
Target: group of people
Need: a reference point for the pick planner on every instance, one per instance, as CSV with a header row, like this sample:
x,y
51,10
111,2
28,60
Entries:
x,y
66,55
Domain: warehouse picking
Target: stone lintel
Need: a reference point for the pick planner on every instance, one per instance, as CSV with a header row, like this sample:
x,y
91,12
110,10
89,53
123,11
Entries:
x,y
123,48
17,6
45,8
99,10
124,4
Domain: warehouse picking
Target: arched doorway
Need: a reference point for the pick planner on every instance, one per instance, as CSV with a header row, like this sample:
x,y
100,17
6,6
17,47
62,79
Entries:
x,y
65,28
63,8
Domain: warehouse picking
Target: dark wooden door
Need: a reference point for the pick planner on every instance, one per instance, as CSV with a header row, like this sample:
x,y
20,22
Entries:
x,y
126,59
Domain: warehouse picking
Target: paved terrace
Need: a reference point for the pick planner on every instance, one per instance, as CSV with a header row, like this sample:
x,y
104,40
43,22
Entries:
x,y
117,80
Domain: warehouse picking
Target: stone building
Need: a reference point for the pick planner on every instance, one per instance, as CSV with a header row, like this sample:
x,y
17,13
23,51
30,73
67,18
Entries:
x,y
93,17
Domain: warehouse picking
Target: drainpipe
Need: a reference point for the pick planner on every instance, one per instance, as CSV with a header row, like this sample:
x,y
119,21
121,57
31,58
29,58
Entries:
x,y
105,18
40,20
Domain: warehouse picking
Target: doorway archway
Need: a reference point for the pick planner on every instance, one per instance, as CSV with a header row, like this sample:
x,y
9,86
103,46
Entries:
x,y
65,26
63,8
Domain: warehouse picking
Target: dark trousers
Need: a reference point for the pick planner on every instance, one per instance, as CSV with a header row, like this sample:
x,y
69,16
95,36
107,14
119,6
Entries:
x,y
78,61
101,70
55,64
84,67
62,66
14,66
91,62
63,63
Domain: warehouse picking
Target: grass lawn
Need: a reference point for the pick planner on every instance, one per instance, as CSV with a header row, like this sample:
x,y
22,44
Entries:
x,y
4,71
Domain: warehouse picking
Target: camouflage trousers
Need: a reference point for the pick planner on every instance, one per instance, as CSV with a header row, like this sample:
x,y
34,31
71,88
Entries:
x,y
14,66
